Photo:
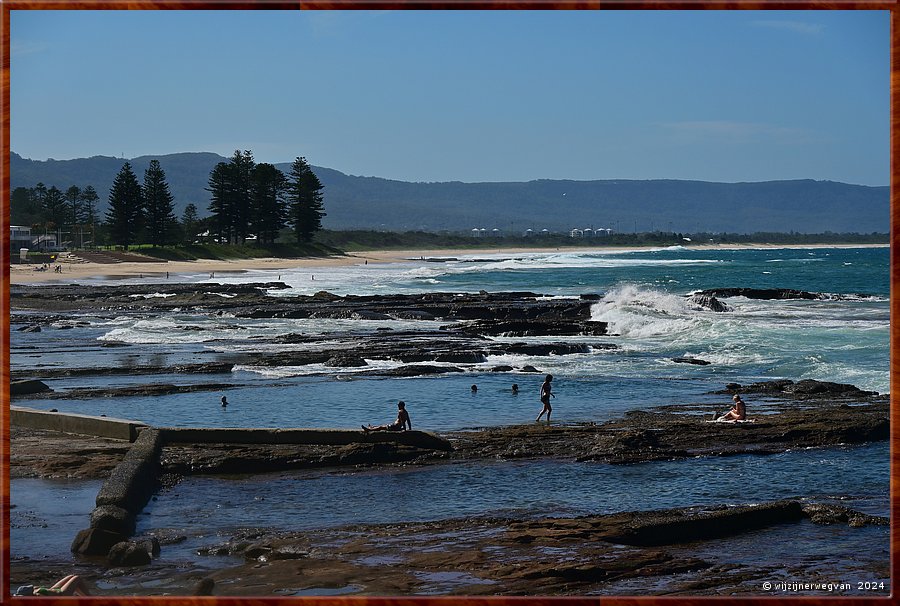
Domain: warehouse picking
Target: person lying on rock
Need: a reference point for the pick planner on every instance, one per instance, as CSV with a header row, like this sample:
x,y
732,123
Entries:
x,y
400,424
70,585
738,412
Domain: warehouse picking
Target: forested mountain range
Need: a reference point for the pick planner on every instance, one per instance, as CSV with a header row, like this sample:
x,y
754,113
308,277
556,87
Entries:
x,y
354,202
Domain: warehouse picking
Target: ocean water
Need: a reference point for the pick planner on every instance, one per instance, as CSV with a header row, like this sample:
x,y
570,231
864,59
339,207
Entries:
x,y
642,297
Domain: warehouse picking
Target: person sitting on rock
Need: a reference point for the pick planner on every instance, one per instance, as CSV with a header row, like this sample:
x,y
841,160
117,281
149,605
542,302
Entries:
x,y
70,585
400,424
738,412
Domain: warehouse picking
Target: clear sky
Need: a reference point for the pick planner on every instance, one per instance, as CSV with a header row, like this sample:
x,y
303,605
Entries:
x,y
465,95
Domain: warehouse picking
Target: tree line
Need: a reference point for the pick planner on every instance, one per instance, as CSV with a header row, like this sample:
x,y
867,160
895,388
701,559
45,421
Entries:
x,y
247,200
250,198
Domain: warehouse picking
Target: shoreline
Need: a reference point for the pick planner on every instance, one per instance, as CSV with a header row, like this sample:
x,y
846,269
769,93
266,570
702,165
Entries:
x,y
26,274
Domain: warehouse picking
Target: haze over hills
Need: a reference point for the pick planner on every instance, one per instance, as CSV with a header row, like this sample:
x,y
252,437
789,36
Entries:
x,y
354,202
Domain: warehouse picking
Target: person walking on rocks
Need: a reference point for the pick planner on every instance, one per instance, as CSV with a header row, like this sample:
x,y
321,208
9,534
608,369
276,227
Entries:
x,y
400,424
546,394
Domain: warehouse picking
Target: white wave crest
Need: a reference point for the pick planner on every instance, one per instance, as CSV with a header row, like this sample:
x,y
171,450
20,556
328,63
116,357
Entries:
x,y
634,311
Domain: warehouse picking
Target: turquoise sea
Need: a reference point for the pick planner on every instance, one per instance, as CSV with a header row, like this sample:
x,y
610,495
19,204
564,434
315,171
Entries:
x,y
642,295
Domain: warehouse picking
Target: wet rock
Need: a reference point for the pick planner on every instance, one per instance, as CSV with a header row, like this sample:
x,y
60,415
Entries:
x,y
27,387
824,513
502,368
680,526
691,360
417,370
113,518
761,293
128,553
151,544
533,328
414,314
205,586
345,361
547,349
707,301
95,541
529,368
32,328
801,389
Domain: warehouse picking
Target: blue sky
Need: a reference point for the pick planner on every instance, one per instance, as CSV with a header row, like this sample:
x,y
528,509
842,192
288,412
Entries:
x,y
465,95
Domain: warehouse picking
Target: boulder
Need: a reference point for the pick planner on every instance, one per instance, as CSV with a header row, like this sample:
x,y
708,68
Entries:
x,y
115,519
128,553
690,360
95,541
23,388
345,361
708,302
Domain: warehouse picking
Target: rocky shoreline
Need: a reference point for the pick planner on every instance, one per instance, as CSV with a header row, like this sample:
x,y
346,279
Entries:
x,y
629,552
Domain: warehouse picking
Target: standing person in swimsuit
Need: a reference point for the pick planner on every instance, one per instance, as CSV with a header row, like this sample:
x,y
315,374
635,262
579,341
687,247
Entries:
x,y
400,424
546,394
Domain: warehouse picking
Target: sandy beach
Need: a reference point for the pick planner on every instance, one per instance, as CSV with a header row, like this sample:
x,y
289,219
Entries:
x,y
26,273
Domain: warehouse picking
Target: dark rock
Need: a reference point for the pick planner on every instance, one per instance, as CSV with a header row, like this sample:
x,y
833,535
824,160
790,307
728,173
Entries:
x,y
345,361
116,519
23,388
414,314
822,513
764,293
804,389
95,541
415,370
128,553
324,295
547,349
32,328
151,545
529,368
501,368
474,357
708,302
678,526
689,360
205,586
368,314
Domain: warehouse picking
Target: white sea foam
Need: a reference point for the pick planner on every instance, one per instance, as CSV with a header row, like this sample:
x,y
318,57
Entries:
x,y
154,295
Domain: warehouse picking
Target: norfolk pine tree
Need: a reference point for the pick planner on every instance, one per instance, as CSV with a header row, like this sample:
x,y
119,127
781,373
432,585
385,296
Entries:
x,y
158,208
125,207
305,198
268,210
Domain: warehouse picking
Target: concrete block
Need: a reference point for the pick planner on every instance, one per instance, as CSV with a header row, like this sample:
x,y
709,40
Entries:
x,y
106,427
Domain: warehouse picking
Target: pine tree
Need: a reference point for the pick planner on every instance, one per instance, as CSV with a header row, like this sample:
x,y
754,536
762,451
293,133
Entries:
x,y
73,199
56,210
89,200
221,196
268,207
125,213
305,198
241,205
158,207
189,221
